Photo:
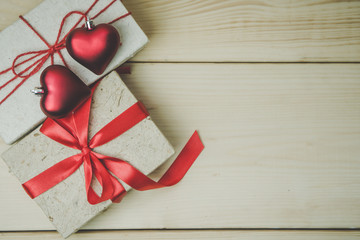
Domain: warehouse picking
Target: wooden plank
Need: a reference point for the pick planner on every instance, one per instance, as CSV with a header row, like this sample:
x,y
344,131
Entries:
x,y
247,31
189,234
238,31
11,9
281,149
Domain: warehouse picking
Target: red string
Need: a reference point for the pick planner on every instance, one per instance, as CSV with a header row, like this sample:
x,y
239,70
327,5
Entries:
x,y
31,27
45,54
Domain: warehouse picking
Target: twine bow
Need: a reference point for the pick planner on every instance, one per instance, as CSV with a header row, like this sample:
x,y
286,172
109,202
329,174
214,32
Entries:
x,y
38,58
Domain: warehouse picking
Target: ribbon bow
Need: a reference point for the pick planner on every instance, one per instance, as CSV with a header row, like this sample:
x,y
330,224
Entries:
x,y
72,131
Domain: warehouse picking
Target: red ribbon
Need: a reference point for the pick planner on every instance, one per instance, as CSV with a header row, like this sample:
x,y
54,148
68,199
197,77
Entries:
x,y
72,131
41,56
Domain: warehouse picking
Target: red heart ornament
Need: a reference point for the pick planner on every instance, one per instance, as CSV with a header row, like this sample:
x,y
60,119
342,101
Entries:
x,y
63,91
93,48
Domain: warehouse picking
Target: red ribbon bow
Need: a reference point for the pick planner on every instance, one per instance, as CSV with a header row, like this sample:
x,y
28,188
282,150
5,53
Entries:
x,y
72,131
41,56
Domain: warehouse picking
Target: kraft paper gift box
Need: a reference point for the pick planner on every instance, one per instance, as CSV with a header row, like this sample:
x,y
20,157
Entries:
x,y
65,204
21,113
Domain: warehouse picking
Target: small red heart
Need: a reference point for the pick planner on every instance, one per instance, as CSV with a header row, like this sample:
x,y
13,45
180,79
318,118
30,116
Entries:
x,y
63,91
94,48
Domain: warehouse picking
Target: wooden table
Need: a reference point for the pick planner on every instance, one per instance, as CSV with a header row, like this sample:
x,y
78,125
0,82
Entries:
x,y
273,88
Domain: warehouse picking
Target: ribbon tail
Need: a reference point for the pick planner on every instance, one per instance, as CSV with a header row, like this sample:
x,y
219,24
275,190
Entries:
x,y
139,181
111,188
119,190
52,176
184,161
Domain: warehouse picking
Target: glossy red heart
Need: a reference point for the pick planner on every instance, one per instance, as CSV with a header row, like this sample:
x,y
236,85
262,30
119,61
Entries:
x,y
94,48
63,91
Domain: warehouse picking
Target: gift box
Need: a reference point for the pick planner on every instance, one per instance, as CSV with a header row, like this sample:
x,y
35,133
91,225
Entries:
x,y
21,113
66,204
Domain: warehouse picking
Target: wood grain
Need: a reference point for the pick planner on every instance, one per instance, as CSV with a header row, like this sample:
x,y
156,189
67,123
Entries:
x,y
238,31
282,140
11,9
281,149
249,31
189,234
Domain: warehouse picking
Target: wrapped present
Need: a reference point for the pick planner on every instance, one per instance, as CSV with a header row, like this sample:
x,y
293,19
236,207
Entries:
x,y
66,204
36,35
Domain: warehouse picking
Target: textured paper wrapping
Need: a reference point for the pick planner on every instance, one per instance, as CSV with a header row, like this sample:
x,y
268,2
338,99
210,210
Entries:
x,y
66,205
21,112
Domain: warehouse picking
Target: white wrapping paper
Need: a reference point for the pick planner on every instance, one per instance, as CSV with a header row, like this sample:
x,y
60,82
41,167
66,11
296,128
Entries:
x,y
21,112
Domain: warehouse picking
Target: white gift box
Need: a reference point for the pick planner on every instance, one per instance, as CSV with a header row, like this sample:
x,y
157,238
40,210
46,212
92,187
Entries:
x,y
65,204
21,113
